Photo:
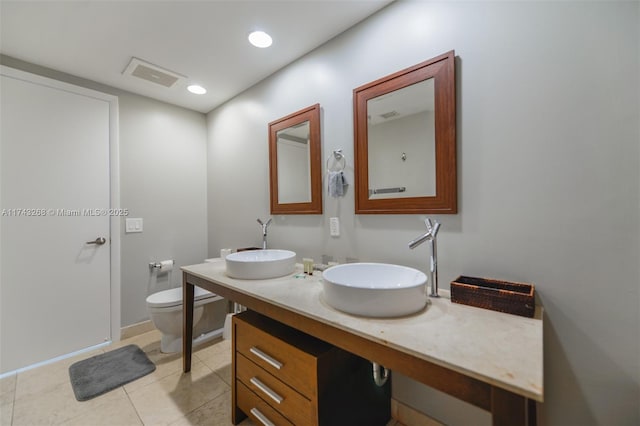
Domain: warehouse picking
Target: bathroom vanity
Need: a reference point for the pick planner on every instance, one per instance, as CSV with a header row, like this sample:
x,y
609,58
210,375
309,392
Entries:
x,y
286,377
489,359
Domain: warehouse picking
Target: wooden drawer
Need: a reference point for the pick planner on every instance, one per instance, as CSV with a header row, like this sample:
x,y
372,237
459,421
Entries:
x,y
287,354
320,384
281,397
259,411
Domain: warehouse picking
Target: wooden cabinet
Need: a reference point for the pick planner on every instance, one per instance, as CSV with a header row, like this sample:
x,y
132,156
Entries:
x,y
281,376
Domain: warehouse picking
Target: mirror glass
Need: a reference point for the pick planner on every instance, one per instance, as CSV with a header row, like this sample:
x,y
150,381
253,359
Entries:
x,y
294,171
401,142
405,141
294,163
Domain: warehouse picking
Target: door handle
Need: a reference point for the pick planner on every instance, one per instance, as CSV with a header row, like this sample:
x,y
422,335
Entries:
x,y
98,241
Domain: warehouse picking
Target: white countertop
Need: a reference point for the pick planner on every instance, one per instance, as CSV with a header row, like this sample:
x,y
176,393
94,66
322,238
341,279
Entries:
x,y
500,349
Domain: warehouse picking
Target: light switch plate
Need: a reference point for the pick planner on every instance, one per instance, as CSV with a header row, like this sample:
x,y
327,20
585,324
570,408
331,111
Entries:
x,y
334,226
132,224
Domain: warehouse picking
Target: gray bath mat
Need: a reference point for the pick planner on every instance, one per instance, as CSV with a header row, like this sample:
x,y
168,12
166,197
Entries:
x,y
100,374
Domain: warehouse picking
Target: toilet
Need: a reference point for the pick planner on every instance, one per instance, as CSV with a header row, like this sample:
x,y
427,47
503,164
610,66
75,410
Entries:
x,y
165,310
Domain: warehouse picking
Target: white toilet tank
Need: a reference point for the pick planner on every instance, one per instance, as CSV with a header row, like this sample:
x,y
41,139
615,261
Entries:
x,y
165,309
172,299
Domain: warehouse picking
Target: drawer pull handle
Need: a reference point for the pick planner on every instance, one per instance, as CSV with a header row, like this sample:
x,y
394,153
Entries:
x,y
263,419
266,358
266,389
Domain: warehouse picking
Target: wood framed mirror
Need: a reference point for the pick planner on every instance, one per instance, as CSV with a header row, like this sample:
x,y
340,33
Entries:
x,y
295,164
405,141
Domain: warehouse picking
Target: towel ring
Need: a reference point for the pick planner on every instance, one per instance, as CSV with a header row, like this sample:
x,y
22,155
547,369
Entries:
x,y
338,157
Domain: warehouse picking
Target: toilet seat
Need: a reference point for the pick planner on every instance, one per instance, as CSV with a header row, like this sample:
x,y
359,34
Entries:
x,y
173,297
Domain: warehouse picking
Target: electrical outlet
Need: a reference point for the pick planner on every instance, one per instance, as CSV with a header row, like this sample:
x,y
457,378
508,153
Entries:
x,y
334,226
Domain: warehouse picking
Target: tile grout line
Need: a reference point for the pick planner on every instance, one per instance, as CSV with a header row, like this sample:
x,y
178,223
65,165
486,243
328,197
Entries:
x,y
205,403
133,405
13,400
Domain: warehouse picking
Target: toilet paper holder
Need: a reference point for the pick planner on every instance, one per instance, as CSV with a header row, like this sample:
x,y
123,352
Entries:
x,y
161,265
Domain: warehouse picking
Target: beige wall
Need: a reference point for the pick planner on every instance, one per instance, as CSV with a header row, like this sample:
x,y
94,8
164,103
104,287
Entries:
x,y
548,157
163,180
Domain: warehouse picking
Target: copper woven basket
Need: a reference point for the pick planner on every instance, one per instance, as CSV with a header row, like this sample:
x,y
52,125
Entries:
x,y
502,296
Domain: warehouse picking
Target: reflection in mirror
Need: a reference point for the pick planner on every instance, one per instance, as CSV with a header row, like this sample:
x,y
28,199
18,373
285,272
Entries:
x,y
294,163
405,141
406,167
294,180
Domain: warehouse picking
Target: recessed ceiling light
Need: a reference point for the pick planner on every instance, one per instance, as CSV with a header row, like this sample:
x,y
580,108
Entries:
x,y
260,39
198,90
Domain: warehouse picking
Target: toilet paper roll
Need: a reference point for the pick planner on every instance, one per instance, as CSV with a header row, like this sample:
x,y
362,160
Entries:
x,y
166,266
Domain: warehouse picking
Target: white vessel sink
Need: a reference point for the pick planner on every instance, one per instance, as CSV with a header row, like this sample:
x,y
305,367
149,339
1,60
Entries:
x,y
375,289
260,264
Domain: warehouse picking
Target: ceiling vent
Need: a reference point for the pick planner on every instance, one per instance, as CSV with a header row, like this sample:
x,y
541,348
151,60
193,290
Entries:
x,y
390,114
153,73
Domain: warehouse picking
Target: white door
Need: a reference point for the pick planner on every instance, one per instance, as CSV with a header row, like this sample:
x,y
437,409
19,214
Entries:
x,y
54,196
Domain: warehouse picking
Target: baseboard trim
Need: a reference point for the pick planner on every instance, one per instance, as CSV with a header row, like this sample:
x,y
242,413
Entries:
x,y
409,416
136,329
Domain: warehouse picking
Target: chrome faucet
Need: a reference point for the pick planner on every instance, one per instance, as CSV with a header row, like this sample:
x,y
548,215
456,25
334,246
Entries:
x,y
264,232
432,232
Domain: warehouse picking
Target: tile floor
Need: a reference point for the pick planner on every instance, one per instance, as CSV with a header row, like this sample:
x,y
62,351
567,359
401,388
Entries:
x,y
43,396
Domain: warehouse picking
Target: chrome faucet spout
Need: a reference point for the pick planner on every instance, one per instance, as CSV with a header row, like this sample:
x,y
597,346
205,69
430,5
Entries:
x,y
435,229
264,231
433,268
421,239
430,235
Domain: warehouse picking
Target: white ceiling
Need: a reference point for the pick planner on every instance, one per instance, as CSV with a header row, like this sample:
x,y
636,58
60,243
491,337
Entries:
x,y
203,40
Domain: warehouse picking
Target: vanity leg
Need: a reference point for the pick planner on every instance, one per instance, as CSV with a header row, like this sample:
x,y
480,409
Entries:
x,y
508,408
236,413
532,417
187,324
